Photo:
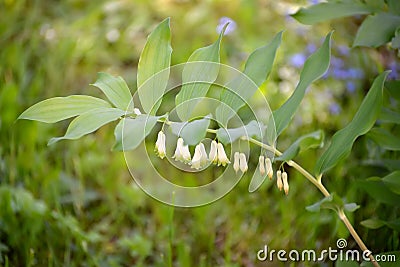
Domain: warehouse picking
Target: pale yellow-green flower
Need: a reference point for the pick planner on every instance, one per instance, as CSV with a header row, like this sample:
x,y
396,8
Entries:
x,y
279,180
243,162
200,157
236,166
213,155
222,158
261,163
182,152
160,145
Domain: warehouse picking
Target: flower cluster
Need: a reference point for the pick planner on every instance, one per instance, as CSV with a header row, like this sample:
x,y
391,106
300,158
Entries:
x,y
282,181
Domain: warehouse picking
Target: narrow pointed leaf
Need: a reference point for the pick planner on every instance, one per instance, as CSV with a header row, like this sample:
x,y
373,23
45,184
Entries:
x,y
378,190
389,116
392,181
155,58
242,88
61,108
383,25
372,223
197,77
129,133
191,132
315,66
116,90
363,120
331,10
312,140
89,122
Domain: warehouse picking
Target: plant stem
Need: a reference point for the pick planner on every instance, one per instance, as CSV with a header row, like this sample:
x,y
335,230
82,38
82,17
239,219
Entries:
x,y
318,183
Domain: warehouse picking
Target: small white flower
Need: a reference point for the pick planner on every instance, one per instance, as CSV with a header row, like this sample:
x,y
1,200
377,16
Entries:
x,y
182,152
236,162
268,165
279,180
213,157
222,158
261,162
285,183
160,145
243,162
137,111
200,157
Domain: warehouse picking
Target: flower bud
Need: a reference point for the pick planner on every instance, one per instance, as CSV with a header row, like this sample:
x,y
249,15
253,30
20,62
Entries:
x,y
243,162
279,180
236,162
160,145
269,170
222,158
285,183
262,165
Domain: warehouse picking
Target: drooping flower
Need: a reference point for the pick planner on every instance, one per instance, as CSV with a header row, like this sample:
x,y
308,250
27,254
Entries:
x,y
200,157
160,145
243,162
285,183
182,152
236,166
213,156
269,170
279,180
261,163
222,158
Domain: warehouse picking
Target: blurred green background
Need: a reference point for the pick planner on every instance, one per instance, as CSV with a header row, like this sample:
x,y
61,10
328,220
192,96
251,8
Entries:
x,y
75,204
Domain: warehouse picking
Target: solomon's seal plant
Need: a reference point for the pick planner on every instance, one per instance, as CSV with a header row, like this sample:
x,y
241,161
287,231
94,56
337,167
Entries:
x,y
204,130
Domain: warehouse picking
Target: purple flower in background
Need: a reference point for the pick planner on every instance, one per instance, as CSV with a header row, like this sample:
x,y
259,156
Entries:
x,y
297,60
350,87
334,109
394,67
231,26
337,62
311,48
343,50
314,2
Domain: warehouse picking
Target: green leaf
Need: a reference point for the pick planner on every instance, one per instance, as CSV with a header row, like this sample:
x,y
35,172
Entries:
x,y
364,119
332,10
393,88
198,74
242,87
377,189
155,57
252,129
389,116
116,90
89,122
384,139
394,6
391,260
311,140
351,207
325,203
383,25
396,39
372,223
392,181
394,224
315,66
61,108
191,132
129,133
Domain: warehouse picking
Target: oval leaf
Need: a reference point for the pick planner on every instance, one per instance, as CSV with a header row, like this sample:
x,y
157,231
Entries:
x,y
241,88
315,66
312,140
197,77
61,108
383,25
372,223
384,139
116,90
330,10
153,67
377,189
89,122
129,133
364,119
191,132
392,181
253,129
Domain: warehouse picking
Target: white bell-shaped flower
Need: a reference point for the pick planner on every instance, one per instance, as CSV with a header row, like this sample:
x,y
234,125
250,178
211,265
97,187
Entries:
x,y
279,180
261,163
285,183
243,162
213,155
268,166
236,166
160,145
200,157
182,152
222,158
